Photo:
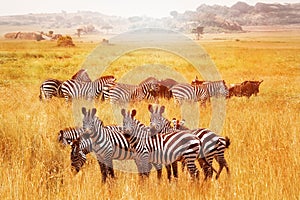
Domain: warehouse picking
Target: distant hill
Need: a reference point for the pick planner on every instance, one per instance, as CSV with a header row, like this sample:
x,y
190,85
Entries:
x,y
213,18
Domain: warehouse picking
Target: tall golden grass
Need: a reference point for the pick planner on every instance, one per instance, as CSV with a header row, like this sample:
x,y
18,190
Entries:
x,y
264,130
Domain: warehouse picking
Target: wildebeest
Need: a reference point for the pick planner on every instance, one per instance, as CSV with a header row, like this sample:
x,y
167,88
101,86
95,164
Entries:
x,y
246,88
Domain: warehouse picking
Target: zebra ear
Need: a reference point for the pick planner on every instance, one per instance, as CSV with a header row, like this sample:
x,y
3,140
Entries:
x,y
83,110
162,110
150,108
94,110
133,113
123,112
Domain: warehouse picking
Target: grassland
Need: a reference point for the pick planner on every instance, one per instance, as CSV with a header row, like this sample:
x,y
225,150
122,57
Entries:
x,y
263,157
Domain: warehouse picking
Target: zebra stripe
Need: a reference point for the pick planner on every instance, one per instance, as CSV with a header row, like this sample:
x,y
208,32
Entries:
x,y
87,90
185,92
159,148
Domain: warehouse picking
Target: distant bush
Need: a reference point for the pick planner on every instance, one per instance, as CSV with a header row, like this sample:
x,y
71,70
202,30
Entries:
x,y
65,41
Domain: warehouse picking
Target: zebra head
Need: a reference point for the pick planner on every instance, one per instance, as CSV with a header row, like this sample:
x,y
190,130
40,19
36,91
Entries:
x,y
128,122
78,158
88,121
157,121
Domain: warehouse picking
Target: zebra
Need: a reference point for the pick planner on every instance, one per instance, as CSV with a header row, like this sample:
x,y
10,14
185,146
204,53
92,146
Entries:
x,y
212,145
185,92
78,155
107,144
81,147
68,136
86,90
151,147
122,93
52,87
214,88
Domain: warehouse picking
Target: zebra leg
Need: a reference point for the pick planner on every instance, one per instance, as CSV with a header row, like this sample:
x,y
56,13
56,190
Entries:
x,y
182,166
222,162
110,168
206,166
192,168
175,169
169,172
103,171
158,168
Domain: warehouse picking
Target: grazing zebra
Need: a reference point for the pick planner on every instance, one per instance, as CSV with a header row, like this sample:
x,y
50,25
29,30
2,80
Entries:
x,y
212,145
52,87
151,147
214,88
186,92
86,90
78,156
67,136
122,93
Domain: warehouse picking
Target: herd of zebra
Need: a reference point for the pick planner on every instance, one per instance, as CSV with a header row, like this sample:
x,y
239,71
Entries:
x,y
163,142
151,89
106,88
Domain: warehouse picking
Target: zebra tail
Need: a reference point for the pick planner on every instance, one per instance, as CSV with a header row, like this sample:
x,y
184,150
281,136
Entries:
x,y
227,142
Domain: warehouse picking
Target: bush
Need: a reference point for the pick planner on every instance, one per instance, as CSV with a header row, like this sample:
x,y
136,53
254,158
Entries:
x,y
65,41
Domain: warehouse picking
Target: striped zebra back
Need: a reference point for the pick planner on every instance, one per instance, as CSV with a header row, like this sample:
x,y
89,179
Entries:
x,y
87,90
216,88
121,93
185,92
50,88
67,135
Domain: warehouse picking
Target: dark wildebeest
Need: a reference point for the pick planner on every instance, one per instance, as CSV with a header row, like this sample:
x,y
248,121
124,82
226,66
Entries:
x,y
250,87
164,88
246,88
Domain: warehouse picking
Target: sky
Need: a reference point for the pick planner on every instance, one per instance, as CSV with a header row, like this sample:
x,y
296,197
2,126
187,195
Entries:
x,y
124,8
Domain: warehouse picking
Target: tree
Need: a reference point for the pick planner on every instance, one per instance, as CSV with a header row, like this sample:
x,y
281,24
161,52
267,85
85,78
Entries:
x,y
198,31
174,14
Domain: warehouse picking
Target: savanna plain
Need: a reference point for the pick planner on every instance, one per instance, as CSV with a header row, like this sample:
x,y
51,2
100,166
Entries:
x,y
263,156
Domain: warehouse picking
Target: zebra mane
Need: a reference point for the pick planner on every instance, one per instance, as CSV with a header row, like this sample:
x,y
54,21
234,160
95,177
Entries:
x,y
106,77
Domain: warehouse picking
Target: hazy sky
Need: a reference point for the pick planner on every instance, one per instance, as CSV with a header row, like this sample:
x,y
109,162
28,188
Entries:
x,y
126,8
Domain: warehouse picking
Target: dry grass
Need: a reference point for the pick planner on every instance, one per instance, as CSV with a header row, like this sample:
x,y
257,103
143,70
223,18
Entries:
x,y
263,156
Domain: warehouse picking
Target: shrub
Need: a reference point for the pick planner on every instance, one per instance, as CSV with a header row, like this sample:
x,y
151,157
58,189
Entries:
x,y
65,41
